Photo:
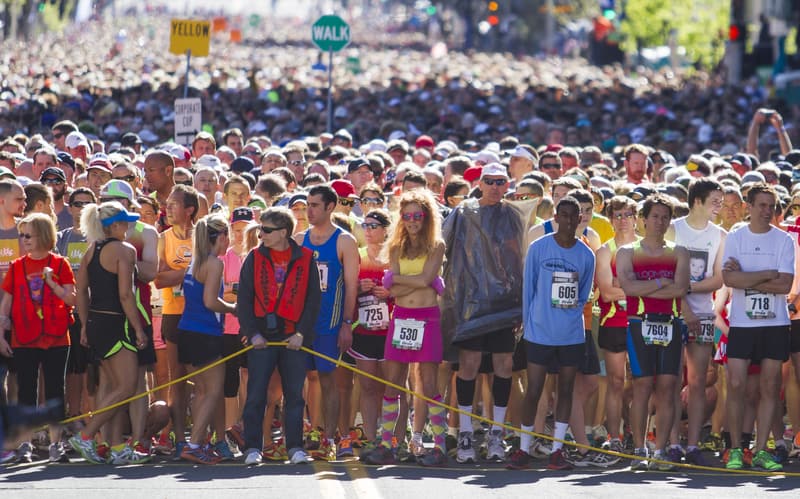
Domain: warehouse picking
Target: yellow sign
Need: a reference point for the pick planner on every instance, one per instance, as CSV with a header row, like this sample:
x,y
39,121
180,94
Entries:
x,y
189,34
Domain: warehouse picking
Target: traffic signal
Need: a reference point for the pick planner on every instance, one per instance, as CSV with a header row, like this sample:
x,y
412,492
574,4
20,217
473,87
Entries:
x,y
493,19
737,32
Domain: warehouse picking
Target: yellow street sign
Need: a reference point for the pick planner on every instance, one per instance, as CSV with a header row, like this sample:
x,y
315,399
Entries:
x,y
189,34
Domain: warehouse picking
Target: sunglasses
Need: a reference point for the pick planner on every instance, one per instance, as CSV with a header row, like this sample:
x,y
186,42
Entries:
x,y
296,162
548,166
184,182
416,216
495,181
57,135
269,230
52,181
79,204
372,200
525,197
623,216
23,235
130,178
111,199
347,202
371,226
794,207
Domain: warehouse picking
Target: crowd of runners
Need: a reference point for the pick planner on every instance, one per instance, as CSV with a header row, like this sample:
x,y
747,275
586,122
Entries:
x,y
604,260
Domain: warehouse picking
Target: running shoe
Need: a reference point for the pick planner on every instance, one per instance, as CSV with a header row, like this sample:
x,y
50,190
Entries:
x,y
163,446
675,454
141,453
25,453
577,459
104,451
416,446
712,443
87,449
518,460
495,451
599,435
222,450
199,455
300,457
121,456
325,452
345,448
735,459
640,464
276,451
382,455
765,461
252,457
403,453
7,456
781,454
358,438
602,460
663,461
57,453
558,461
747,457
179,446
235,435
435,458
695,457
313,440
540,448
466,452
795,446
41,440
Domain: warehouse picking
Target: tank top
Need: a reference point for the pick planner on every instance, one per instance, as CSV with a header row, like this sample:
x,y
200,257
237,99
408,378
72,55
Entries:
x,y
331,283
143,292
196,316
233,266
412,266
373,313
648,268
104,285
703,246
612,315
178,255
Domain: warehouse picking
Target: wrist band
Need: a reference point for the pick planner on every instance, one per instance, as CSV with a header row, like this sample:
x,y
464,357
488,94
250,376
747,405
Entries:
x,y
658,282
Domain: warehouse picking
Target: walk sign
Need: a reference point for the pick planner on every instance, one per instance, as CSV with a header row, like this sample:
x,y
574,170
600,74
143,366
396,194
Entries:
x,y
330,33
189,35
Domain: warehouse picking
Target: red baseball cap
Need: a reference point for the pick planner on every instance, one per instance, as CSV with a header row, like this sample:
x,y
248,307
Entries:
x,y
344,189
424,141
473,173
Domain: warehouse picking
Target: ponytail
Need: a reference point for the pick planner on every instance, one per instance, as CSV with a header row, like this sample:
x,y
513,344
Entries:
x,y
206,232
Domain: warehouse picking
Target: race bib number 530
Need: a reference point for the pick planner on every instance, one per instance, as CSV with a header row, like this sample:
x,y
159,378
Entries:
x,y
408,334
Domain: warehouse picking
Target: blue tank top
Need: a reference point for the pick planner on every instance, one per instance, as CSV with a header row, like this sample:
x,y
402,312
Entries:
x,y
196,316
331,283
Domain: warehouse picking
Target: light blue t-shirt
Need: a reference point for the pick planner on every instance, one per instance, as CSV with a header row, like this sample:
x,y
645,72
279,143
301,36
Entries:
x,y
557,284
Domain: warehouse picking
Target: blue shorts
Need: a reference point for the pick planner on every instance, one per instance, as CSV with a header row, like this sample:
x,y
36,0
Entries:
x,y
325,344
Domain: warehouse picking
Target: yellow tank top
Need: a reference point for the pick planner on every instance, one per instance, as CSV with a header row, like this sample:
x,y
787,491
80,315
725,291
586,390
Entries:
x,y
178,255
413,266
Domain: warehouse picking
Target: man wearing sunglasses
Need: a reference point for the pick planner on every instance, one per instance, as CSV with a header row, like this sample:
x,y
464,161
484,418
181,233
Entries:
x,y
12,206
482,303
54,179
60,131
127,172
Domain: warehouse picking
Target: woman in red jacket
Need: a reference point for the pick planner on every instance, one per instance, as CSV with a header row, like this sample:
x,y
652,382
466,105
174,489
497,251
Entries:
x,y
37,306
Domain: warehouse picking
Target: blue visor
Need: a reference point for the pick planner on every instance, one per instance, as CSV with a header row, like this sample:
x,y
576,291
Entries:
x,y
122,216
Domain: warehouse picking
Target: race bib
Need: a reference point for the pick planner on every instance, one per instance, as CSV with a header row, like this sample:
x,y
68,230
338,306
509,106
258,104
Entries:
x,y
373,314
564,290
323,276
75,252
657,332
408,334
706,335
177,291
759,305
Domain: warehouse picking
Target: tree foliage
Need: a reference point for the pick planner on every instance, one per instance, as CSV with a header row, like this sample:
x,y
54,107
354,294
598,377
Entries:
x,y
700,26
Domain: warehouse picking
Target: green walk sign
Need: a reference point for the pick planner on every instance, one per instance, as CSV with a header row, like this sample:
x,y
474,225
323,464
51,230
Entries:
x,y
330,33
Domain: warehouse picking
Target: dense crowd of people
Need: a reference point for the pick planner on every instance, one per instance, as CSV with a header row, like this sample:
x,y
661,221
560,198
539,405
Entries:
x,y
566,250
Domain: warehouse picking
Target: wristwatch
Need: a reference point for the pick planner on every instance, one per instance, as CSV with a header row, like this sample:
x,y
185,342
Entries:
x,y
349,322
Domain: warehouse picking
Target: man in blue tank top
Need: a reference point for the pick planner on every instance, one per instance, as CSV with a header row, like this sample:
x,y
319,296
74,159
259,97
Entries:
x,y
336,254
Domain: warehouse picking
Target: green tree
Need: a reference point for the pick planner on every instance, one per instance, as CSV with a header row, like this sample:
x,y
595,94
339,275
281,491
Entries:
x,y
700,26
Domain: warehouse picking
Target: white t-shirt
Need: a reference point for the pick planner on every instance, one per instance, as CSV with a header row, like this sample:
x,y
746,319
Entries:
x,y
770,250
702,246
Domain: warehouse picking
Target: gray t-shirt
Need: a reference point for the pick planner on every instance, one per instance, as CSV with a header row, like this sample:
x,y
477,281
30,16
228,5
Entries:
x,y
64,219
9,249
72,244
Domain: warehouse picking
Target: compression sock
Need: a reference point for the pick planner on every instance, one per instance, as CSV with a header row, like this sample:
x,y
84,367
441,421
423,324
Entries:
x,y
389,414
438,424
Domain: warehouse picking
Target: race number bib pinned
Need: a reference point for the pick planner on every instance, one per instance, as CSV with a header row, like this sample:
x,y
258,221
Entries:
x,y
323,276
759,305
408,334
706,335
657,331
564,291
373,313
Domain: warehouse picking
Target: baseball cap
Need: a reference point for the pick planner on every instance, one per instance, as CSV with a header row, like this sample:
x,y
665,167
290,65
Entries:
x,y
742,159
52,170
66,158
243,214
130,139
521,152
76,139
242,164
121,216
487,157
354,164
300,197
117,188
178,152
424,141
343,134
494,169
99,161
6,172
344,189
209,160
472,173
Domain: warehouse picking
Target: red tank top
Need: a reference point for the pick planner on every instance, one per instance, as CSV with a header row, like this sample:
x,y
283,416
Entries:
x,y
649,268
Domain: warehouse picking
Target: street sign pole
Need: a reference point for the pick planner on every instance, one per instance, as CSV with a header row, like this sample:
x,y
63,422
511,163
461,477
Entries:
x,y
330,90
186,83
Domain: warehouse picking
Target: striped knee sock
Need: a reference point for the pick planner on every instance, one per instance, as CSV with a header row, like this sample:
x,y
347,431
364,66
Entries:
x,y
390,413
438,424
